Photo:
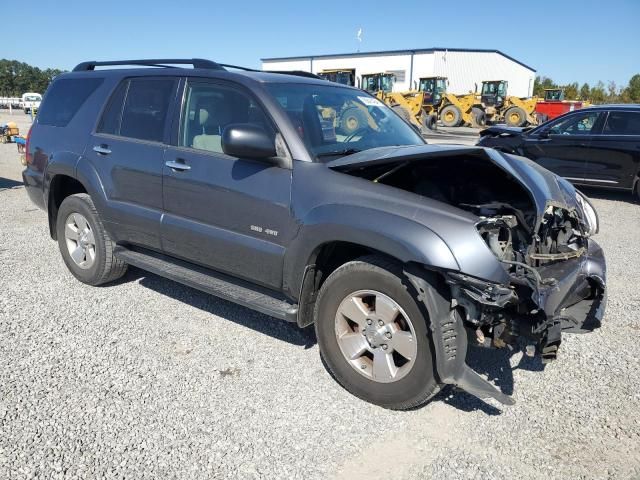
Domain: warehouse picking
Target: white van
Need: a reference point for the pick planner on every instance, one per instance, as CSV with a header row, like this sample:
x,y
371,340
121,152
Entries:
x,y
31,101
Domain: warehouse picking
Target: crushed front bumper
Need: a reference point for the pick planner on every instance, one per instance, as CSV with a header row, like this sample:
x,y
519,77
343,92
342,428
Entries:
x,y
567,296
572,298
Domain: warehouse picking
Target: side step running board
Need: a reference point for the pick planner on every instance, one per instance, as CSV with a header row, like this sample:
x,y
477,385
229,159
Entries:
x,y
209,281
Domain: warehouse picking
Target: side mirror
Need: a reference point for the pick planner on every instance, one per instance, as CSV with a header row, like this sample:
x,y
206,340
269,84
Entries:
x,y
245,140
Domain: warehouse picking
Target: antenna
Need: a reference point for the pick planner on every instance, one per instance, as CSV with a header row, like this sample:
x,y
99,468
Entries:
x,y
359,37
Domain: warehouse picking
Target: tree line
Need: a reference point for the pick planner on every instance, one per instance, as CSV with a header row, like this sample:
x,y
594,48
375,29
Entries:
x,y
597,94
17,78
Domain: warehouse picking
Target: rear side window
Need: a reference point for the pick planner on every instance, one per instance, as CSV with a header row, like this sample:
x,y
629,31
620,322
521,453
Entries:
x,y
145,108
64,99
622,123
138,109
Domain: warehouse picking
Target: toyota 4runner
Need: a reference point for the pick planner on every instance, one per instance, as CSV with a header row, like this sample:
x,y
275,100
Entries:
x,y
314,203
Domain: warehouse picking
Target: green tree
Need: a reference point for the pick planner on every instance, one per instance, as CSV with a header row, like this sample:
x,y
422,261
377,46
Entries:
x,y
571,91
613,95
632,92
540,84
585,92
17,78
598,93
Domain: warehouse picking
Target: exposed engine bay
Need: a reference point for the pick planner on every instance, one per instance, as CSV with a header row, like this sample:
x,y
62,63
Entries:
x,y
553,286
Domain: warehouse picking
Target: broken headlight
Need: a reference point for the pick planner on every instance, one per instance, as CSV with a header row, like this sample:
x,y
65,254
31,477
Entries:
x,y
588,214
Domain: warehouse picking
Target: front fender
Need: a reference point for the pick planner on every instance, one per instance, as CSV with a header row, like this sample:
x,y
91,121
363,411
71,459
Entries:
x,y
396,236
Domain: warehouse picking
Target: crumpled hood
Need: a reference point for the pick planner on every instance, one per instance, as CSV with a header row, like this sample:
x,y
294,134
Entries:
x,y
542,184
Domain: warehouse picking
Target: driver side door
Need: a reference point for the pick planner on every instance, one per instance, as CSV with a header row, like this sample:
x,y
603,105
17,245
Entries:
x,y
564,146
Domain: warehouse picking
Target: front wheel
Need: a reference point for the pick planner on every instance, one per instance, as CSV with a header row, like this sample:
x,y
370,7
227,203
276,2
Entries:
x,y
373,335
451,116
515,117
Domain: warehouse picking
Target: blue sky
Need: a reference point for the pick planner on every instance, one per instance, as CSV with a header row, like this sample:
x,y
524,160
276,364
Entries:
x,y
568,40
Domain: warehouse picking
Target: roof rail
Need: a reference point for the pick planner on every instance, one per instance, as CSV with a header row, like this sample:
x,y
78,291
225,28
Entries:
x,y
297,73
161,62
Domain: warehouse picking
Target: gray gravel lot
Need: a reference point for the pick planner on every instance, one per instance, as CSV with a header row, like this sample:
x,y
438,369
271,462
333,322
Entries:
x,y
145,378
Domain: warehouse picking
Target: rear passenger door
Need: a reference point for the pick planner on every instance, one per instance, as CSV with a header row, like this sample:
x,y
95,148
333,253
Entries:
x,y
127,151
616,151
226,213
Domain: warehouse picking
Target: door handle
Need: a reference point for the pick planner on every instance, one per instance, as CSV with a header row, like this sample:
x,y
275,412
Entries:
x,y
101,149
178,165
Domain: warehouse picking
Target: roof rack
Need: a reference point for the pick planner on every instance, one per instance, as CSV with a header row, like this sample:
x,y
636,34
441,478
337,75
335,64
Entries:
x,y
298,73
161,62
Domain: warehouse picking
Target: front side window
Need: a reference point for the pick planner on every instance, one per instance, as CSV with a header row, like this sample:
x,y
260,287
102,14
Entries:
x,y
579,124
209,108
146,106
622,123
335,121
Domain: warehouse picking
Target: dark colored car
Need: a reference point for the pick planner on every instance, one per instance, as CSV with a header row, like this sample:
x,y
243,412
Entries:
x,y
243,184
596,146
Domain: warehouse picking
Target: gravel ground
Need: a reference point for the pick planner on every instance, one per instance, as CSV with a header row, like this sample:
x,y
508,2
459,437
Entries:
x,y
145,378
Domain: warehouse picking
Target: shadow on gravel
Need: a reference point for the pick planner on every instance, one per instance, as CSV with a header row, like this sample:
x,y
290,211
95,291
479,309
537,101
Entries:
x,y
6,183
278,329
495,365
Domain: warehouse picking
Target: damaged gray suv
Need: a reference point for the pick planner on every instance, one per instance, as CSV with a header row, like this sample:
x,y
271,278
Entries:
x,y
314,203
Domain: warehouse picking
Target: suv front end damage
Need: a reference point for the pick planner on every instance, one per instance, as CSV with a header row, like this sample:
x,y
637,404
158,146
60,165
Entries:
x,y
545,274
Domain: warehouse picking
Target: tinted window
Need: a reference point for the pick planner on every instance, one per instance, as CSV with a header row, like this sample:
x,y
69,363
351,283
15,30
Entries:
x,y
209,108
622,123
145,108
579,124
64,99
110,121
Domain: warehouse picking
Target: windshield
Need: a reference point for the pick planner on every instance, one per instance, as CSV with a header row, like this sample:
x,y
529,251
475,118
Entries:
x,y
32,98
338,121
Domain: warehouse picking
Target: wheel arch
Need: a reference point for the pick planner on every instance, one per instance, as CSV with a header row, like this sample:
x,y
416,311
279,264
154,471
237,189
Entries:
x,y
322,245
60,186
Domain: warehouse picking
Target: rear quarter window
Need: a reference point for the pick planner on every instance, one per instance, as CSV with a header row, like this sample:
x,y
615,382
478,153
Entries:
x,y
64,98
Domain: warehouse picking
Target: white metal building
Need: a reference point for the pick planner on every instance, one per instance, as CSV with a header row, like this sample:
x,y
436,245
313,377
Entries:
x,y
463,67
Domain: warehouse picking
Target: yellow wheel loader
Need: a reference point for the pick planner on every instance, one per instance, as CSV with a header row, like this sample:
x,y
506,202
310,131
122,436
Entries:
x,y
407,104
498,106
344,76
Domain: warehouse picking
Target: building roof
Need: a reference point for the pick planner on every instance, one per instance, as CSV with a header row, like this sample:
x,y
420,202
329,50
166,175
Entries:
x,y
397,52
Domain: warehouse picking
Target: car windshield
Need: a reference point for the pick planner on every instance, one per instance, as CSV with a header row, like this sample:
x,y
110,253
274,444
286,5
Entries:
x,y
32,98
337,121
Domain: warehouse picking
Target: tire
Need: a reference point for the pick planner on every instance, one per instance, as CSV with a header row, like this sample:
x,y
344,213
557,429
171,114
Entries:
x,y
479,119
99,265
352,120
636,191
450,116
429,122
403,112
415,380
515,117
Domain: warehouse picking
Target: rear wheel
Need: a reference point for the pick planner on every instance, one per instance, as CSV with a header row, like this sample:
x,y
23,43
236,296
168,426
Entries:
x,y
373,336
636,190
450,116
429,122
86,248
478,117
515,117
